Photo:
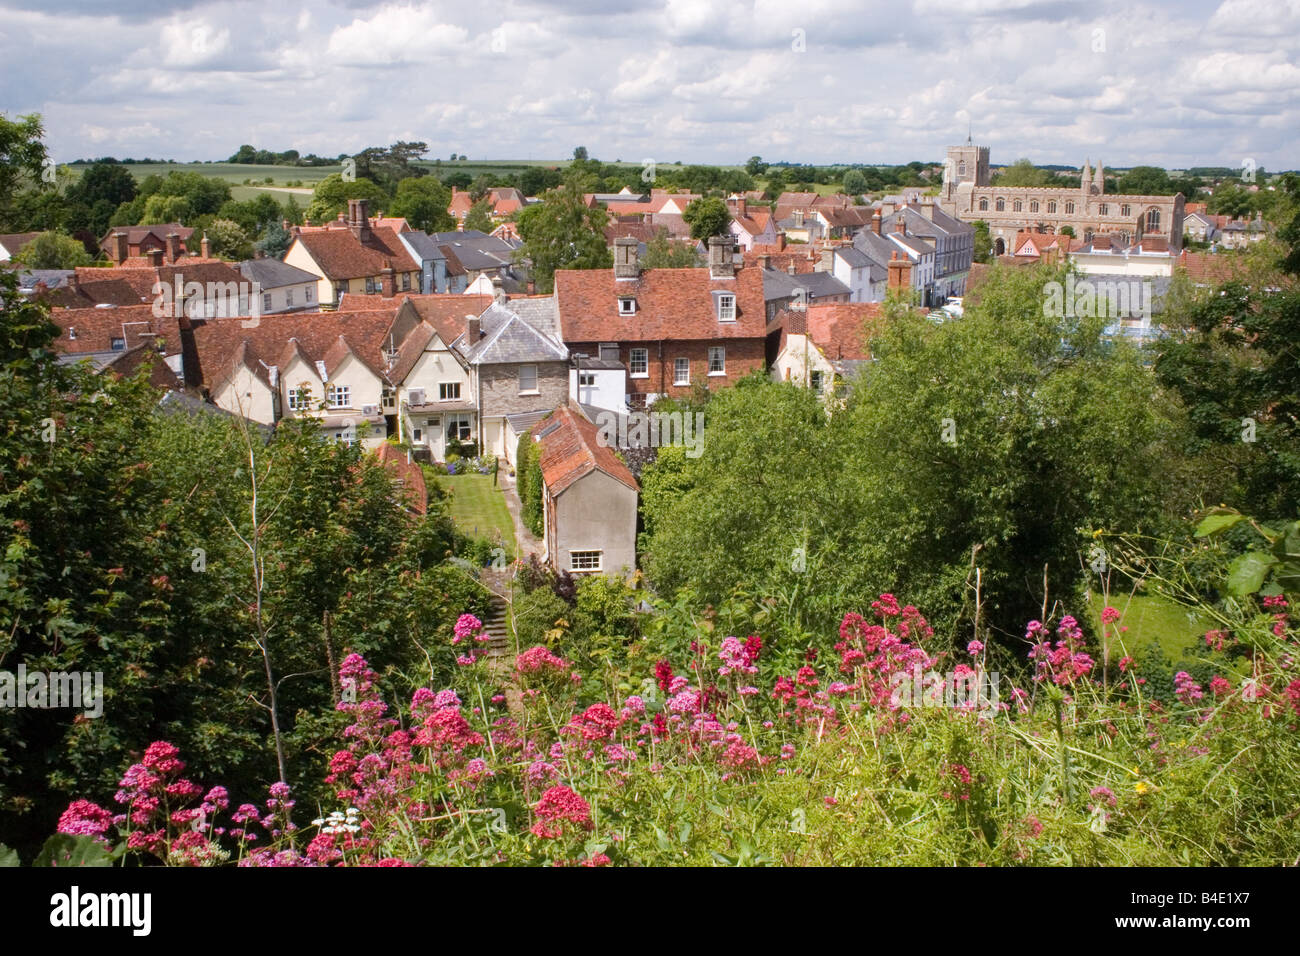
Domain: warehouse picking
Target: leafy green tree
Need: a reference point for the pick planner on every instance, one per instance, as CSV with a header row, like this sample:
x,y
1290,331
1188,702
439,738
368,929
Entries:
x,y
755,166
332,194
1146,181
276,242
480,216
664,252
159,208
229,240
983,242
1023,173
855,184
22,158
107,182
561,232
1229,200
52,250
580,154
423,203
707,217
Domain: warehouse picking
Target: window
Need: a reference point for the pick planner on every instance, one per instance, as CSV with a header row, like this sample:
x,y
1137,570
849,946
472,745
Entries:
x,y
1105,209
434,422
1153,220
458,427
72,332
587,379
640,362
1051,206
340,288
299,398
1125,210
288,298
406,281
726,308
528,378
961,168
266,302
117,345
609,351
585,560
370,285
717,360
1033,205
1016,206
682,371
984,205
308,294
627,306
816,380
338,396
448,391
1069,209
417,435
1001,204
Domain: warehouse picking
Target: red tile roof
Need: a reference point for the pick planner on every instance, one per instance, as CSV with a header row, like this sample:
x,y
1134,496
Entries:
x,y
675,304
445,312
93,330
343,256
573,450
838,329
1205,268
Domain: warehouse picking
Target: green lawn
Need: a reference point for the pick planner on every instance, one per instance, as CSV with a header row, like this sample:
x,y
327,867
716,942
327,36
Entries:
x,y
1148,618
479,508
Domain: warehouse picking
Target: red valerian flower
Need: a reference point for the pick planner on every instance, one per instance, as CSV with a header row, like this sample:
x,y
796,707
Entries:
x,y
560,805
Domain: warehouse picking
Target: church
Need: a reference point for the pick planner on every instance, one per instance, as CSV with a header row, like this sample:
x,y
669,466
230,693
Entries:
x,y
967,195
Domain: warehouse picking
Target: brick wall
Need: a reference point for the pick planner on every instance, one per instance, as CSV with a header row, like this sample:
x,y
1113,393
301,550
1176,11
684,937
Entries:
x,y
500,388
742,357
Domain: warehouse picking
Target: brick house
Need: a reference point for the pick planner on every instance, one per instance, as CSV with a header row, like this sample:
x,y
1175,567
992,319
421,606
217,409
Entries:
x,y
669,327
362,258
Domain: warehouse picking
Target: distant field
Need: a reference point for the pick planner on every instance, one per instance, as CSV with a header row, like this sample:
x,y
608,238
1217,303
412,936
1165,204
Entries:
x,y
233,173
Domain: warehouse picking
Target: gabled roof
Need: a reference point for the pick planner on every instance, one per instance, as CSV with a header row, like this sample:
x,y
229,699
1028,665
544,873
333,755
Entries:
x,y
675,304
274,274
14,241
476,250
160,230
446,312
88,295
570,449
508,338
778,284
93,330
341,255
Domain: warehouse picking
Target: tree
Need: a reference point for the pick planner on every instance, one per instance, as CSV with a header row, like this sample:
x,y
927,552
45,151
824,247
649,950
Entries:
x,y
664,252
983,242
707,217
229,240
480,216
52,250
561,232
104,182
1146,181
1023,173
580,154
423,203
1068,231
22,158
755,166
276,242
332,194
855,184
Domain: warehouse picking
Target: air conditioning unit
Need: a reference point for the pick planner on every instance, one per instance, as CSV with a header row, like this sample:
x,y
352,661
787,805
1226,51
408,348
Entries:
x,y
369,410
415,396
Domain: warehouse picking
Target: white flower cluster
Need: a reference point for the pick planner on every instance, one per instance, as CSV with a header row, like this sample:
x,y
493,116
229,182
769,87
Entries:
x,y
337,822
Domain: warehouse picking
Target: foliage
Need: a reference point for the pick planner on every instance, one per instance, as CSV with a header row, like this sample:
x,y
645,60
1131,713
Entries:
x,y
479,216
707,217
1146,181
528,483
22,158
563,233
332,193
1023,173
423,202
228,239
664,252
50,250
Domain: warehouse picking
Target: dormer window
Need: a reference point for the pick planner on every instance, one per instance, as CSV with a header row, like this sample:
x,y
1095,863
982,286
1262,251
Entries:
x,y
725,303
626,305
117,345
72,332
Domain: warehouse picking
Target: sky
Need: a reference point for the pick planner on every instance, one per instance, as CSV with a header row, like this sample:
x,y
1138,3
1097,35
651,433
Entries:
x,y
1175,84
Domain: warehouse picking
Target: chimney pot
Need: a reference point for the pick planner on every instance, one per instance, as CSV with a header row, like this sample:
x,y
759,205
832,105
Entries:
x,y
206,247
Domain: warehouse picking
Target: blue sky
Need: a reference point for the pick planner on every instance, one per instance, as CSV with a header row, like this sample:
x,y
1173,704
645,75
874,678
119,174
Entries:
x,y
1171,83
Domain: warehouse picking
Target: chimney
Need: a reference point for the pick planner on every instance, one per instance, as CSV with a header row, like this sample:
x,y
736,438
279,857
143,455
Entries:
x,y
156,258
206,247
900,272
626,263
532,287
875,222
118,247
359,223
498,291
765,262
473,329
827,263
73,286
736,206
387,283
173,248
927,208
789,266
721,265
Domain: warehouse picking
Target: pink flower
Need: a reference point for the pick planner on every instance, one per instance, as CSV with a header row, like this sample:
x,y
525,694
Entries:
x,y
467,625
975,648
83,818
1109,615
1186,689
560,805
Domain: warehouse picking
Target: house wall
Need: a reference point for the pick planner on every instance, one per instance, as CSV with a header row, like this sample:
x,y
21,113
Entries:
x,y
435,366
297,292
246,394
498,395
596,513
299,373
365,387
609,391
299,257
743,356
798,360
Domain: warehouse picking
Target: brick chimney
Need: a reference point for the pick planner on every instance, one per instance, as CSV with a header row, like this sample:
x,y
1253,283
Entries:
x,y
473,329
827,263
118,247
205,247
387,280
358,221
173,248
900,272
627,265
765,261
875,222
737,206
73,285
156,258
721,265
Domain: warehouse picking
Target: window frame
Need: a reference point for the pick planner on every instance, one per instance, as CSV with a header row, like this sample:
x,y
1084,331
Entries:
x,y
576,557
266,302
626,305
645,361
726,312
678,377
721,351
333,393
534,389
444,388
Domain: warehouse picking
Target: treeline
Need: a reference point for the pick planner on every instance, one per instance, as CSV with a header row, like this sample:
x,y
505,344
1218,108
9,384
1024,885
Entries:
x,y
249,155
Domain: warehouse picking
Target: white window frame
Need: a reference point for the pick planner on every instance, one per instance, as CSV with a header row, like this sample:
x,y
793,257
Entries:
x,y
721,352
645,361
444,388
299,399
338,396
727,307
266,302
525,389
680,378
454,423
817,380
288,298
626,305
308,294
587,561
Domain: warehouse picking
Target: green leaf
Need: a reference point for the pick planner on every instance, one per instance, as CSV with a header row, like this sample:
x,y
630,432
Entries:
x,y
1214,523
64,849
9,857
1247,572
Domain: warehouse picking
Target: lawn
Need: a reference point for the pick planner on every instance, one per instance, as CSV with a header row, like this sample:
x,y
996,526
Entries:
x,y
479,508
1150,617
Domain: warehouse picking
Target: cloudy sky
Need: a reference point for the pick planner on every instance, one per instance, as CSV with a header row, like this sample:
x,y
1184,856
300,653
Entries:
x,y
1176,82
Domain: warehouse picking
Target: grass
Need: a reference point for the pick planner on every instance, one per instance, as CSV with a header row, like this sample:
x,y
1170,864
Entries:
x,y
479,508
1149,617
